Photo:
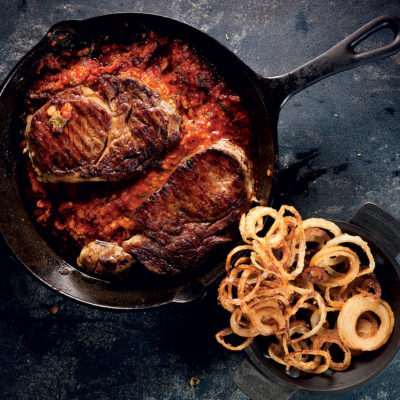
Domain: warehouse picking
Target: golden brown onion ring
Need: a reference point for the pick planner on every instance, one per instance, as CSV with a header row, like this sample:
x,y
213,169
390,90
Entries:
x,y
349,315
238,249
301,304
241,326
331,336
364,284
253,222
226,332
293,360
277,353
325,258
323,224
345,238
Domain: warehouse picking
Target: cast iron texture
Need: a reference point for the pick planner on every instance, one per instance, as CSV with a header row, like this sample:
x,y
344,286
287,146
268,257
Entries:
x,y
263,98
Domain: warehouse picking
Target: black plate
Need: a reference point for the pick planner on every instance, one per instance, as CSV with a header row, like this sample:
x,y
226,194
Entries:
x,y
382,228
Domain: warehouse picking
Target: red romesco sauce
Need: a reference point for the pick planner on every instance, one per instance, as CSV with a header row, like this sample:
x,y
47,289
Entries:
x,y
80,213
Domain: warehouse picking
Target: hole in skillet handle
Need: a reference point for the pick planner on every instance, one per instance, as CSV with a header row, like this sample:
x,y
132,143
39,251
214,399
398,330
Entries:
x,y
340,57
377,40
268,380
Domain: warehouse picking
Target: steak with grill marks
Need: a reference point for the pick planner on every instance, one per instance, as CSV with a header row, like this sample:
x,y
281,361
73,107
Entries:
x,y
112,135
193,214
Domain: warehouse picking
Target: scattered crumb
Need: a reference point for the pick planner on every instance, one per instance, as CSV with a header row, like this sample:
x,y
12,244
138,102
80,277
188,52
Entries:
x,y
335,115
54,309
194,381
359,154
63,271
170,385
226,36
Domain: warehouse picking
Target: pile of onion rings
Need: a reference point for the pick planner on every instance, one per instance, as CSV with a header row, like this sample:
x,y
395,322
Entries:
x,y
306,284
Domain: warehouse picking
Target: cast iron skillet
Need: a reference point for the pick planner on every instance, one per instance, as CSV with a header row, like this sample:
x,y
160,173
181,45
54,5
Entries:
x,y
262,378
263,97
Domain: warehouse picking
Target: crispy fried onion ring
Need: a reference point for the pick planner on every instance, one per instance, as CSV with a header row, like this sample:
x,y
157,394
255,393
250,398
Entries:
x,y
226,332
324,340
285,279
296,359
336,296
348,318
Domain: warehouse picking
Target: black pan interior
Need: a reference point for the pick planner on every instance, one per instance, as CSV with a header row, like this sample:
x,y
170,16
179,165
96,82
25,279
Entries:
x,y
21,233
363,368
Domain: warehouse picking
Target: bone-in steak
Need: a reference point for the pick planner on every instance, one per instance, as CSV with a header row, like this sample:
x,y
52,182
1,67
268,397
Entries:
x,y
187,219
104,138
194,212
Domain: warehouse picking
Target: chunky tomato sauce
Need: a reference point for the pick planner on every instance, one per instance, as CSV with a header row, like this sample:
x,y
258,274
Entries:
x,y
210,111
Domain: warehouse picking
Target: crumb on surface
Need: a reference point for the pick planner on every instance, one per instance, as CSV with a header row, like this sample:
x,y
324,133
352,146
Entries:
x,y
194,381
63,271
54,309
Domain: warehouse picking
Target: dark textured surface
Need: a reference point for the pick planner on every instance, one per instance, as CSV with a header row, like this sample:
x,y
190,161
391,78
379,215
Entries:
x,y
339,147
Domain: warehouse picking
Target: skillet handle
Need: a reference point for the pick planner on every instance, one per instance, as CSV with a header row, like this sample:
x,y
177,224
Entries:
x,y
337,59
381,225
257,386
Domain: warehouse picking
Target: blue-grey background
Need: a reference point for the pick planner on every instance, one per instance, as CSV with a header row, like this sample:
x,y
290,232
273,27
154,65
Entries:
x,y
339,147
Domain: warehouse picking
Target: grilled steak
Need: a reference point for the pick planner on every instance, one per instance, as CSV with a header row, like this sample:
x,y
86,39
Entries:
x,y
193,213
80,135
190,216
